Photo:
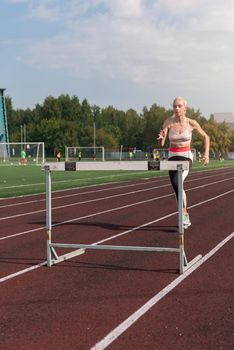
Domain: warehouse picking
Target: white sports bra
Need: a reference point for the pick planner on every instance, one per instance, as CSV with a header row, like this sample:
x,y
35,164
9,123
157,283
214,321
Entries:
x,y
185,136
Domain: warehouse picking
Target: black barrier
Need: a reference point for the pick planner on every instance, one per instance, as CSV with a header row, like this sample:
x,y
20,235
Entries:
x,y
70,166
154,165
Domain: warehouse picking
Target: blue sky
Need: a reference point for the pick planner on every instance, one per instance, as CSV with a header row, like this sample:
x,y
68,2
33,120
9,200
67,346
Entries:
x,y
124,53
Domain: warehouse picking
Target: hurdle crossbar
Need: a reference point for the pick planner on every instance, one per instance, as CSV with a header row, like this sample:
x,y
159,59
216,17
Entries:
x,y
52,256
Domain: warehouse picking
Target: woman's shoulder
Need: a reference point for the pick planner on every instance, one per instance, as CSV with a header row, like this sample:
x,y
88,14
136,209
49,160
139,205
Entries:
x,y
192,122
168,122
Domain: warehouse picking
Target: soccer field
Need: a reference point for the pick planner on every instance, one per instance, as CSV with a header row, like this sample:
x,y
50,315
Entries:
x,y
25,180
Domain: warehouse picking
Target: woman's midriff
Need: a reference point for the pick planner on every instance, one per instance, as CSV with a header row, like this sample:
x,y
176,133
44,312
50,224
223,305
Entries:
x,y
180,147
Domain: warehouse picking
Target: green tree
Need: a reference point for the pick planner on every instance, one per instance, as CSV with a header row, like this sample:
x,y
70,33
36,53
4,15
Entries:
x,y
132,129
86,116
106,139
51,109
153,122
220,135
65,121
70,108
55,133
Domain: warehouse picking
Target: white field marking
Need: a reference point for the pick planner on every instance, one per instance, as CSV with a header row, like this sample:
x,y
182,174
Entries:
x,y
203,177
73,180
106,239
69,180
122,327
110,210
3,279
21,272
99,177
96,191
85,202
147,223
104,184
135,228
22,186
80,193
160,179
114,209
87,216
110,197
23,233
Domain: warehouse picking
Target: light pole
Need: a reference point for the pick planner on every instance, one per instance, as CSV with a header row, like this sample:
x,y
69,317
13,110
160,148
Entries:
x,y
95,111
94,134
23,135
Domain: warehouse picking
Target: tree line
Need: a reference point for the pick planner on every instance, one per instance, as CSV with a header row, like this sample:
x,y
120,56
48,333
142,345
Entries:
x,y
67,121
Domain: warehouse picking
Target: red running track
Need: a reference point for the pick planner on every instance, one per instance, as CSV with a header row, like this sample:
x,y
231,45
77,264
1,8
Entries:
x,y
120,300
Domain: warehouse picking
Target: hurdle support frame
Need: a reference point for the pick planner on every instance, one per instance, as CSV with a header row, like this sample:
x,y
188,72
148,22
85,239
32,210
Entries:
x,y
52,256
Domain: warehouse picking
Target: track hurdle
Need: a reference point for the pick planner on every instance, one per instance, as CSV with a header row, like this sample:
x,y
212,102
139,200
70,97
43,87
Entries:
x,y
52,256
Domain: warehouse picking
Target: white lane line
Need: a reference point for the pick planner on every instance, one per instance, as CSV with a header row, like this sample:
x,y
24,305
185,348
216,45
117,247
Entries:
x,y
21,272
87,216
3,279
78,193
112,237
84,202
121,328
22,233
115,209
157,179
110,197
127,173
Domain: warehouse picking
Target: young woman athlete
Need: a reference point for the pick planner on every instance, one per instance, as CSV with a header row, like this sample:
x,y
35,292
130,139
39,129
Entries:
x,y
179,129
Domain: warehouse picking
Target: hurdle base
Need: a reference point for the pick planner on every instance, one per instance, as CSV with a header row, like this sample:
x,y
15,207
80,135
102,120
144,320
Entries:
x,y
59,258
53,258
188,265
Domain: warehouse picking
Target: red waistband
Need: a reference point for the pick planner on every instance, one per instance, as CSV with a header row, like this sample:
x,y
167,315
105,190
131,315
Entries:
x,y
180,149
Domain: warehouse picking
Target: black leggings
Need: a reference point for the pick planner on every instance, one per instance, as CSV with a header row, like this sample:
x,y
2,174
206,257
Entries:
x,y
173,174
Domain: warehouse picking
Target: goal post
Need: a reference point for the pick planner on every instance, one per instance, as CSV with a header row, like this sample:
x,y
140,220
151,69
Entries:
x,y
73,153
11,152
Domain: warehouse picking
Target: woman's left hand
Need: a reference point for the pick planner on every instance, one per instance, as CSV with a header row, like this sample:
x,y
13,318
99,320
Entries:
x,y
205,159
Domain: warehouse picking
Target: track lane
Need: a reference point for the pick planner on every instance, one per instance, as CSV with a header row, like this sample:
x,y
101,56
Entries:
x,y
108,285
89,221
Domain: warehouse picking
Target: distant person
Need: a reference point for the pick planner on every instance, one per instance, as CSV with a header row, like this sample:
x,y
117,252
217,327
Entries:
x,y
58,156
179,129
157,157
79,156
221,159
23,159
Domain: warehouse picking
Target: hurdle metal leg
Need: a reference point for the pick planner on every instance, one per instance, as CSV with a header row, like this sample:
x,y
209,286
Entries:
x,y
52,256
180,217
184,264
48,213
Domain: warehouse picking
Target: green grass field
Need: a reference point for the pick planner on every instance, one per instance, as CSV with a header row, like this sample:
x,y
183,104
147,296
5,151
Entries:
x,y
24,180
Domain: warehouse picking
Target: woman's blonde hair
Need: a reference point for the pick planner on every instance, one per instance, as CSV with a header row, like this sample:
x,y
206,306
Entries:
x,y
181,99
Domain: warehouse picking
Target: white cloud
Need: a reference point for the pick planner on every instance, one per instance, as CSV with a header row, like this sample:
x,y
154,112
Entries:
x,y
125,8
183,43
17,1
